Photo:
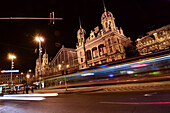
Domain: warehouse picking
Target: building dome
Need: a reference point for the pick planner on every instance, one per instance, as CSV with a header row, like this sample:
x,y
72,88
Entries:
x,y
45,55
106,14
81,31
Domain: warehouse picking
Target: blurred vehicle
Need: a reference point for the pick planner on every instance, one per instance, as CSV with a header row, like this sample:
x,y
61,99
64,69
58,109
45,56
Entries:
x,y
142,68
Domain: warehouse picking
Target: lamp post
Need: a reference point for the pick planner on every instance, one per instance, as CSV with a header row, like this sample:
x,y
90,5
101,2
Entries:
x,y
27,76
39,39
65,73
12,57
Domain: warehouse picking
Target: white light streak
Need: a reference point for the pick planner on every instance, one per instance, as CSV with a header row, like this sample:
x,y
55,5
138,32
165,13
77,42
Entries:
x,y
87,74
130,72
32,95
8,71
22,98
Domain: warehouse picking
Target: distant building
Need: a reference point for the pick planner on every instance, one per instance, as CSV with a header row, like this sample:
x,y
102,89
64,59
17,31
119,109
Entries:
x,y
45,65
103,45
65,59
17,78
37,69
156,40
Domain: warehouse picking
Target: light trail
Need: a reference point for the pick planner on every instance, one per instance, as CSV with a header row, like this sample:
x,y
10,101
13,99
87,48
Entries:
x,y
136,103
32,95
22,98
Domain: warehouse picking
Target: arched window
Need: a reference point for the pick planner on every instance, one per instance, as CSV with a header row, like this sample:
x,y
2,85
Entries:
x,y
106,24
110,48
109,42
110,24
89,57
101,49
95,52
80,54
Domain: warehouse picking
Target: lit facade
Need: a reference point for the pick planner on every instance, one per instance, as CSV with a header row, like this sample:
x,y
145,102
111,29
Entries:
x,y
16,78
156,40
44,66
103,45
37,70
65,59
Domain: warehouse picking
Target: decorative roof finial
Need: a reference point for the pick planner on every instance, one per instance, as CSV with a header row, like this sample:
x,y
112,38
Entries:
x,y
104,6
79,21
45,50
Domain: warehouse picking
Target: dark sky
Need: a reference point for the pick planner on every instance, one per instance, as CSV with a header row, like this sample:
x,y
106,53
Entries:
x,y
17,36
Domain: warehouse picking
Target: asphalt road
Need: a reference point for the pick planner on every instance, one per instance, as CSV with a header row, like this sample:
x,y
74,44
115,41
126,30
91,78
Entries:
x,y
149,102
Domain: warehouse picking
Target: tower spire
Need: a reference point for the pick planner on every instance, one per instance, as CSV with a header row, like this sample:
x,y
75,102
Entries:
x,y
79,21
104,6
45,50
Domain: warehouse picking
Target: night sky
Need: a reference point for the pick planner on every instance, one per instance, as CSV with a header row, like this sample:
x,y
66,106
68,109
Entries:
x,y
17,36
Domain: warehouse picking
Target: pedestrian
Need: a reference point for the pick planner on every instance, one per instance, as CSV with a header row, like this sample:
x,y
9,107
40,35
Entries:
x,y
27,90
16,89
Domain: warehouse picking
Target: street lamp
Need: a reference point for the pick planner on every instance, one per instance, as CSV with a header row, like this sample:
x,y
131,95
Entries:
x,y
30,70
28,76
64,72
39,39
12,57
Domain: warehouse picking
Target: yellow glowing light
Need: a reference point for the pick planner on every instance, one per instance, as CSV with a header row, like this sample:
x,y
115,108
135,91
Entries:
x,y
28,76
39,39
12,56
59,66
67,66
29,70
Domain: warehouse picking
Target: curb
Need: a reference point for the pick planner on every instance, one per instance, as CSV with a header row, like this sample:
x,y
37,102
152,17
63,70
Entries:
x,y
138,87
70,92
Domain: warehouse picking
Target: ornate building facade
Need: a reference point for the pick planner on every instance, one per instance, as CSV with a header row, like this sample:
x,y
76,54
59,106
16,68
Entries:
x,y
37,70
65,59
103,45
156,40
44,66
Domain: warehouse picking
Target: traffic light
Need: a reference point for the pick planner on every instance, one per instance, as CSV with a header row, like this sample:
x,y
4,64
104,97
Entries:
x,y
52,18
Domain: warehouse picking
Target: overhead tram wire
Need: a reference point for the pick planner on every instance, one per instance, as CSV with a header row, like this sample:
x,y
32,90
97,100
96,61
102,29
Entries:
x,y
29,18
52,19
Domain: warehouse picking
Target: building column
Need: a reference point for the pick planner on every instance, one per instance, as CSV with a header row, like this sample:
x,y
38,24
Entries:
x,y
98,51
91,54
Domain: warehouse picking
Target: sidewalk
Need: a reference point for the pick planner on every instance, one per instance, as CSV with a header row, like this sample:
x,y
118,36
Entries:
x,y
69,90
133,87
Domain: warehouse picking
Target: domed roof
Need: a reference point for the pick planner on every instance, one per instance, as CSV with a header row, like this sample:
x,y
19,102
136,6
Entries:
x,y
106,14
81,30
45,55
